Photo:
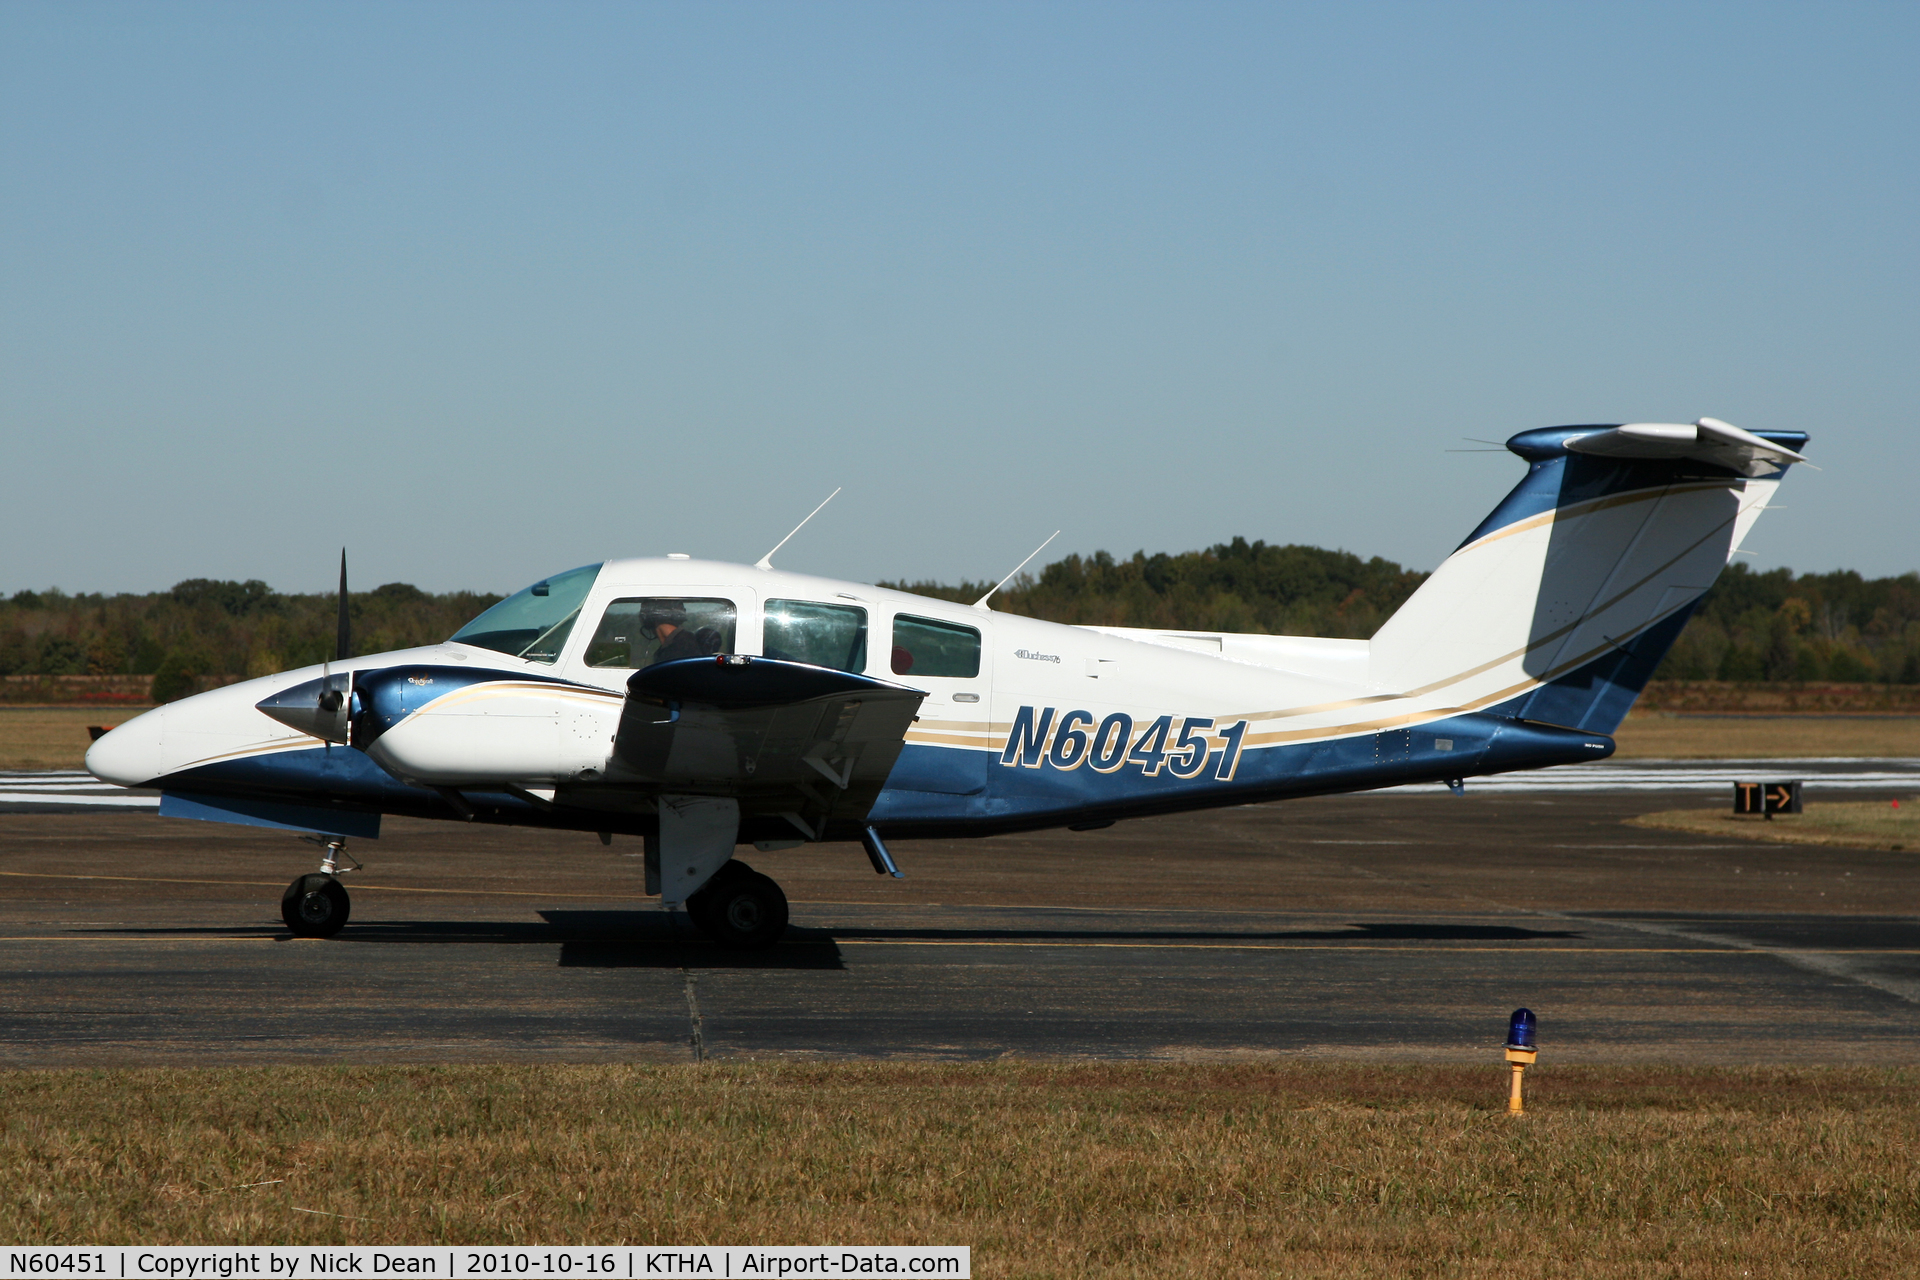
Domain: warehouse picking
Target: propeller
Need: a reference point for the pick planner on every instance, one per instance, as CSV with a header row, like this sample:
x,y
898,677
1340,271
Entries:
x,y
331,699
319,707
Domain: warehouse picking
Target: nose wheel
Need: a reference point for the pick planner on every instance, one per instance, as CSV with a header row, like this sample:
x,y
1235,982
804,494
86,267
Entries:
x,y
740,908
315,906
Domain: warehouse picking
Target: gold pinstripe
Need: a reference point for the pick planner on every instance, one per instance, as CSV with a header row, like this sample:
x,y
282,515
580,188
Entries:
x,y
257,749
1593,505
953,739
505,689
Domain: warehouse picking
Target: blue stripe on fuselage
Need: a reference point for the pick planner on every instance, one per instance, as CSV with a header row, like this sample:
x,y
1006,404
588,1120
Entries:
x,y
1020,797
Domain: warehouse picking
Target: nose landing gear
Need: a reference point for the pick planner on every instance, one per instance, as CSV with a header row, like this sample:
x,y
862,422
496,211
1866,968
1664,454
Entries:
x,y
316,905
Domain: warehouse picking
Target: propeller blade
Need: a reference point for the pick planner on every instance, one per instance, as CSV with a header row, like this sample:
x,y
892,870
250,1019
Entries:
x,y
325,721
343,638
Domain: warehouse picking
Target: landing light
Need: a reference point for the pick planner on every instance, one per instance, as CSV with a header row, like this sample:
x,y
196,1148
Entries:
x,y
1520,1054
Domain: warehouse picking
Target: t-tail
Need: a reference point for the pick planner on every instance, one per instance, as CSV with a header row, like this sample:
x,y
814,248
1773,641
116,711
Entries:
x,y
1560,605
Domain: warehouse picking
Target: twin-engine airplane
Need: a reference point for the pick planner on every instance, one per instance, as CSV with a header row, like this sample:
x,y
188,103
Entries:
x,y
703,706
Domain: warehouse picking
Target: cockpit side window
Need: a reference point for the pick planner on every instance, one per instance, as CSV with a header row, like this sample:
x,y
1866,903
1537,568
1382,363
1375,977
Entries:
x,y
924,647
534,623
827,635
641,630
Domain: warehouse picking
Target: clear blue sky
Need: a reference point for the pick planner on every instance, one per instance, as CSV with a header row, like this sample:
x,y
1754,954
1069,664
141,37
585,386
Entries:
x,y
486,291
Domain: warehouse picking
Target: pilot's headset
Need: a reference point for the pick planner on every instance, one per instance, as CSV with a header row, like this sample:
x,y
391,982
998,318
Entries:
x,y
670,612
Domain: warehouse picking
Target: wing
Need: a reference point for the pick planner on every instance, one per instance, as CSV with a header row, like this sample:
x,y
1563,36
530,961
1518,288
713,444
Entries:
x,y
807,743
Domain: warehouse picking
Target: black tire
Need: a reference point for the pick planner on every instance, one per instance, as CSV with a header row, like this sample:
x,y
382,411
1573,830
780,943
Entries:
x,y
702,907
740,908
315,906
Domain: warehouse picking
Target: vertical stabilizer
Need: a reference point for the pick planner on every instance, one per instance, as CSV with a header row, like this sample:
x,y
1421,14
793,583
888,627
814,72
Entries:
x,y
1561,604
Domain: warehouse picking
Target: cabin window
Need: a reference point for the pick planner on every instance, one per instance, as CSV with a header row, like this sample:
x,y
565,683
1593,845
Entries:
x,y
827,635
533,623
643,630
924,647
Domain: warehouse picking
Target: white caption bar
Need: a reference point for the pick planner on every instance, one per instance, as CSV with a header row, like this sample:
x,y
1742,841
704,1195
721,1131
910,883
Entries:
x,y
622,1262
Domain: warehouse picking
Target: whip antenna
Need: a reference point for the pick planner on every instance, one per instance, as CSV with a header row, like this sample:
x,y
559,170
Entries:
x,y
981,603
766,561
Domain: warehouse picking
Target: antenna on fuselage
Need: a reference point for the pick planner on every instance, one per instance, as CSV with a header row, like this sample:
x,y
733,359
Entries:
x,y
981,603
766,561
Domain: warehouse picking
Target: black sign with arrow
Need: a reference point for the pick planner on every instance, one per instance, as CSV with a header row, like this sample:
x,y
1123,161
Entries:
x,y
1766,798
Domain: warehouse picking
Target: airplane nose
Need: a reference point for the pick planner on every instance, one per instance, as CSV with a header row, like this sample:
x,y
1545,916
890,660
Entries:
x,y
130,754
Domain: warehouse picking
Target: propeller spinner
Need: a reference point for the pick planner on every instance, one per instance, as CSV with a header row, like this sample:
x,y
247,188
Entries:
x,y
321,707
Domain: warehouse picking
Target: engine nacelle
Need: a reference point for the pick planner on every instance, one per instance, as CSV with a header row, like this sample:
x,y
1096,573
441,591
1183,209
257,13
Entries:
x,y
458,727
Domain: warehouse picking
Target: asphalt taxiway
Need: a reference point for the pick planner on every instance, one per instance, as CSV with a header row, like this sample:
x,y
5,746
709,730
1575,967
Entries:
x,y
1386,927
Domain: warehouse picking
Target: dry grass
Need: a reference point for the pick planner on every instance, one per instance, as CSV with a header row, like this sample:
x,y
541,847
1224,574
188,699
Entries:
x,y
52,737
1113,1169
1855,824
1784,697
1657,736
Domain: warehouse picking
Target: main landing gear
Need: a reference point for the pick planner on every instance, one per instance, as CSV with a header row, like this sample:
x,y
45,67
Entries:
x,y
739,908
316,905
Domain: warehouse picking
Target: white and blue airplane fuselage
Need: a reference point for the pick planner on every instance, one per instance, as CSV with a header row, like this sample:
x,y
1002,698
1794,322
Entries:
x,y
703,705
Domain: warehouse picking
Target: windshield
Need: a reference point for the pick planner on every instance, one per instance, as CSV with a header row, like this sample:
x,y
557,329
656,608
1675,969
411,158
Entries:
x,y
533,624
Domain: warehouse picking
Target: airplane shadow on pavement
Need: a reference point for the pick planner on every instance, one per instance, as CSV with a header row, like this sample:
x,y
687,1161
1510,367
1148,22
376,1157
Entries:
x,y
658,940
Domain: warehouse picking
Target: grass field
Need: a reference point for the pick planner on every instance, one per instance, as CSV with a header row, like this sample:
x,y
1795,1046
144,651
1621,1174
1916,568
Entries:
x,y
52,737
1669,737
1113,1169
1856,824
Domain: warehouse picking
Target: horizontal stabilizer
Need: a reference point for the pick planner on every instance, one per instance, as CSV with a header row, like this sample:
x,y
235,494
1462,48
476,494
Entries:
x,y
1708,440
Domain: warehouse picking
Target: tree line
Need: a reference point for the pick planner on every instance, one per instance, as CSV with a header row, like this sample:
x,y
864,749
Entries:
x,y
203,628
1232,586
1773,626
1783,626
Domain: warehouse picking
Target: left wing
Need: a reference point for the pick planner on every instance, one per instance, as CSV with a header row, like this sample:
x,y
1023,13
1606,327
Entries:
x,y
809,744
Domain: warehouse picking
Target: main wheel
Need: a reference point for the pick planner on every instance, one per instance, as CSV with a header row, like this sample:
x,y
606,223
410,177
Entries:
x,y
740,908
315,906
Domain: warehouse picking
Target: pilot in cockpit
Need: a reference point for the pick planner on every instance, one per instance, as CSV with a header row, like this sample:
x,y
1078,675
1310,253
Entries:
x,y
666,622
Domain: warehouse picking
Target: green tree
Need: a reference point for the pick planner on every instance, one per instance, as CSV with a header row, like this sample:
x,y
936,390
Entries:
x,y
61,656
107,655
178,677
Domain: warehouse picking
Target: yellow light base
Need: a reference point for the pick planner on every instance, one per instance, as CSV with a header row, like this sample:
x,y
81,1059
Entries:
x,y
1521,1060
